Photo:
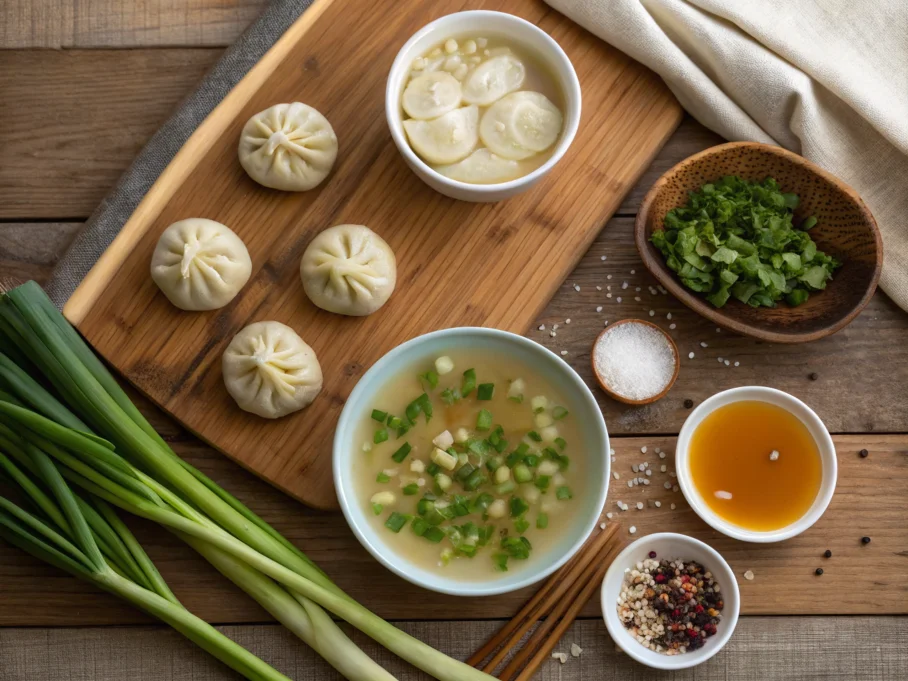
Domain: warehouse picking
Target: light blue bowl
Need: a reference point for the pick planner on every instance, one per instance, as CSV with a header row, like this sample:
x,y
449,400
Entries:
x,y
565,380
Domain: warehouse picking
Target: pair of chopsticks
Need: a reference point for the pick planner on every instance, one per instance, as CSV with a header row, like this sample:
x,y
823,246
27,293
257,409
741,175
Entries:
x,y
559,601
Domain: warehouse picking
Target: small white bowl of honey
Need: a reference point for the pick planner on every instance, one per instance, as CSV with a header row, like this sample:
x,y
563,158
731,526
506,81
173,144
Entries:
x,y
757,464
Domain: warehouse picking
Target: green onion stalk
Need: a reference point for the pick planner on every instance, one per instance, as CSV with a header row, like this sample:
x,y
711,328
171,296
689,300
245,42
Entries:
x,y
106,447
88,540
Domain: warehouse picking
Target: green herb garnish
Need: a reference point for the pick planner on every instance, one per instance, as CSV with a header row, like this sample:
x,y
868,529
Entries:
x,y
380,436
411,489
430,377
402,452
484,420
396,521
737,239
469,382
383,477
379,416
485,391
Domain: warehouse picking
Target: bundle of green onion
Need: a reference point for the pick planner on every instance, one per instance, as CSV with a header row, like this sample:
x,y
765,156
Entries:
x,y
91,436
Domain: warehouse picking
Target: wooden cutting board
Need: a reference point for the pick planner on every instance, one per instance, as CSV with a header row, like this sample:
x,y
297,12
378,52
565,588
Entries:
x,y
459,263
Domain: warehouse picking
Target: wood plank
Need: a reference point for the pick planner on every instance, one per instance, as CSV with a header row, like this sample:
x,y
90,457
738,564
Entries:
x,y
110,23
870,500
867,363
121,98
502,261
781,649
76,119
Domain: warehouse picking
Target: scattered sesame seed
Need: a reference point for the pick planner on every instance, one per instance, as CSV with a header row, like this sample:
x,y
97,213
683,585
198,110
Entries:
x,y
615,475
608,295
563,353
658,450
661,455
552,334
649,472
673,507
609,276
554,327
671,326
667,485
567,321
720,360
606,323
703,345
602,257
658,504
643,449
576,288
623,285
619,299
749,575
726,362
639,505
637,289
635,468
675,488
637,298
718,330
609,515
690,355
668,316
542,327
774,455
652,313
632,529
722,494
598,288
630,483
737,364
633,271
601,526
598,308
663,468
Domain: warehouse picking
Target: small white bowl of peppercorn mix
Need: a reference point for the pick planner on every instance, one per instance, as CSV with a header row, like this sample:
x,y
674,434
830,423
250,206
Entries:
x,y
670,601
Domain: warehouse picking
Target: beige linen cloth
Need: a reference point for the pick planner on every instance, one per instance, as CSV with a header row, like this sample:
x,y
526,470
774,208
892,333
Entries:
x,y
827,79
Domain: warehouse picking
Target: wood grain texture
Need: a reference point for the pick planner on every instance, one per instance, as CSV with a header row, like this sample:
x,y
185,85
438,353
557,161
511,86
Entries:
x,y
845,229
459,264
74,120
861,371
870,500
113,23
762,648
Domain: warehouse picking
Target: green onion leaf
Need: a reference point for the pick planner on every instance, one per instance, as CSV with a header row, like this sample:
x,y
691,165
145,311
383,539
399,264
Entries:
x,y
561,442
402,452
396,521
430,377
379,416
518,506
377,509
563,493
521,524
485,391
434,535
380,436
534,436
411,489
484,420
542,521
500,561
469,382
383,477
419,526
559,413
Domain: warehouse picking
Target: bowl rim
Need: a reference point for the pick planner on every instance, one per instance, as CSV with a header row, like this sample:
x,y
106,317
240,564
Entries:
x,y
618,396
618,632
779,398
571,91
477,588
657,268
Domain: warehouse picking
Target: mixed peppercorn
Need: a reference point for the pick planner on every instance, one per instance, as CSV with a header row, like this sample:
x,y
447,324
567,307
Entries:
x,y
670,607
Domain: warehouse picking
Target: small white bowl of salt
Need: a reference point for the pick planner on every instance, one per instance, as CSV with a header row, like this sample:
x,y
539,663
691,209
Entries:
x,y
635,361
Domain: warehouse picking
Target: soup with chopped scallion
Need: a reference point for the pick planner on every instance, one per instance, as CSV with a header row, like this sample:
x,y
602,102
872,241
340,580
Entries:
x,y
470,464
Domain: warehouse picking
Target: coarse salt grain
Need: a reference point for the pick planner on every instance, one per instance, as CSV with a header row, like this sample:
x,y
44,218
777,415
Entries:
x,y
722,494
542,327
774,455
737,364
634,360
749,575
598,308
576,650
563,353
632,529
643,449
672,326
690,355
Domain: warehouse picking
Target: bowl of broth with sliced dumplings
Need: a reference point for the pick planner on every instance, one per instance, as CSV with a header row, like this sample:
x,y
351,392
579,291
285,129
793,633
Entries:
x,y
482,104
756,464
471,461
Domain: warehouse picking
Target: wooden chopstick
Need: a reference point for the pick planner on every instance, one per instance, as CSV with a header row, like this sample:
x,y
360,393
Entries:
x,y
559,601
546,647
541,604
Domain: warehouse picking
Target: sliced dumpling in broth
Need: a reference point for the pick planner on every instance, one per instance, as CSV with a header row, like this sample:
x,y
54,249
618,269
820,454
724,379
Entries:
x,y
446,139
520,125
270,371
291,147
349,269
493,79
431,95
200,264
482,167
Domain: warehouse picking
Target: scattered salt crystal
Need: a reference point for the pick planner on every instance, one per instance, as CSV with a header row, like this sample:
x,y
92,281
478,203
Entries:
x,y
690,355
635,360
609,276
598,288
554,327
718,330
663,468
667,485
608,295
658,504
727,362
601,526
737,364
630,483
675,488
637,289
652,313
774,455
598,308
639,505
609,515
552,334
668,316
671,326
542,327
637,298
576,650
602,257
576,288
649,472
563,353
567,321
643,449
635,468
673,507
619,299
703,345
615,475
722,494
632,529
720,360
606,323
749,575
633,271
658,450
661,455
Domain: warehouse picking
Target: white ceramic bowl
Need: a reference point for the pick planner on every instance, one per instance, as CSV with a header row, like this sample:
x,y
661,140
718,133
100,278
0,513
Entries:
x,y
672,546
485,23
424,349
794,406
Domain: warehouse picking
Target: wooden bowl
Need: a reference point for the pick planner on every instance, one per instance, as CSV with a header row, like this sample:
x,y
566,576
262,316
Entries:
x,y
845,229
619,396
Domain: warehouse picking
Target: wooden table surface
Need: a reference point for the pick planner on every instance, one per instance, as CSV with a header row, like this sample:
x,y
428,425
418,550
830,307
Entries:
x,y
76,114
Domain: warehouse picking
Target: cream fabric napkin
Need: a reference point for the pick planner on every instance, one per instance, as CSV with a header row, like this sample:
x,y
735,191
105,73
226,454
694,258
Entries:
x,y
827,79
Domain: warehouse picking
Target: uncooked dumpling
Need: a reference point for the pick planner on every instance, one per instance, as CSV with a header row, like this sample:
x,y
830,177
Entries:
x,y
446,139
482,167
520,125
270,371
349,269
289,146
200,264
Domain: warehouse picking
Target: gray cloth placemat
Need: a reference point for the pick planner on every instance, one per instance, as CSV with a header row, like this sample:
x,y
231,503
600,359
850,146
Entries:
x,y
113,212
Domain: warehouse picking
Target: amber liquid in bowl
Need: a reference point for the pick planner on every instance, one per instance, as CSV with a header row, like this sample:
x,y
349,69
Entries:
x,y
733,469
